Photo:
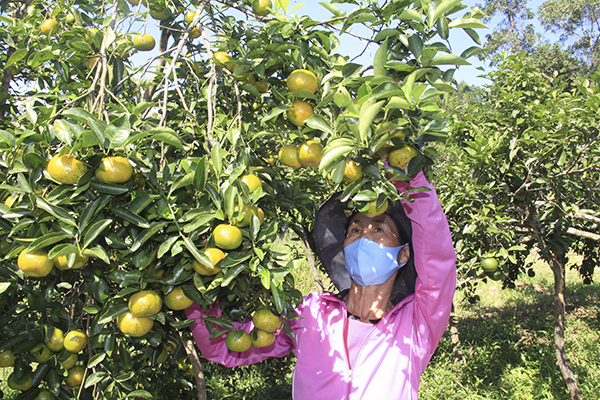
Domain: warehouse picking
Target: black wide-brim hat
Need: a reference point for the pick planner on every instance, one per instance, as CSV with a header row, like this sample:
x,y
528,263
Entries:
x,y
331,223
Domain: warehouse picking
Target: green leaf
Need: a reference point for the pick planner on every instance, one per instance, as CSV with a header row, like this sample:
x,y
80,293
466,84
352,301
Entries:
x,y
113,311
140,393
331,8
55,211
165,246
47,240
189,244
441,10
350,69
380,60
93,231
84,117
318,122
231,273
147,234
449,59
385,33
16,57
274,113
466,23
368,112
7,137
410,14
167,136
131,217
336,149
95,378
201,174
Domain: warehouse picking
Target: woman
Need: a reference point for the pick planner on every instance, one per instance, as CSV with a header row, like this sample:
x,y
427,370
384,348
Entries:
x,y
396,272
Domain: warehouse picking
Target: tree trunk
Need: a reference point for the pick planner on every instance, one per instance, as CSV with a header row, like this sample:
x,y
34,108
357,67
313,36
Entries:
x,y
308,250
190,349
558,269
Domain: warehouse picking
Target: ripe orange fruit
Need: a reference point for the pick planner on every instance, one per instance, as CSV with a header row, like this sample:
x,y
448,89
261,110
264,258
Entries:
x,y
92,62
145,303
144,42
25,383
10,200
68,360
352,172
35,264
288,155
114,170
489,264
400,156
160,14
4,247
260,7
7,358
252,181
55,343
227,237
310,153
122,46
49,27
61,262
374,210
248,211
265,320
261,86
189,16
75,341
93,36
302,79
45,394
134,326
238,340
41,353
177,300
261,338
223,59
66,169
75,376
214,255
299,112
154,270
261,215
195,33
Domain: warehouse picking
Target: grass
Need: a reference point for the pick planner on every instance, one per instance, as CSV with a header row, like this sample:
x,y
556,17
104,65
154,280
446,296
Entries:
x,y
507,343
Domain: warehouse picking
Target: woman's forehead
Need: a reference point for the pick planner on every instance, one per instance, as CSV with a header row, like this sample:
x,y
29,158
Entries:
x,y
360,218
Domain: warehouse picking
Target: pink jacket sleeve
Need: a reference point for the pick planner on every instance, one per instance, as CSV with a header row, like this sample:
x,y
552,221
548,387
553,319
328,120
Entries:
x,y
435,262
216,350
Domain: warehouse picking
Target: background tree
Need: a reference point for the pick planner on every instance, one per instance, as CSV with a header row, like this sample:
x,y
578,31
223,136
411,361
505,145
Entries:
x,y
521,168
514,32
576,23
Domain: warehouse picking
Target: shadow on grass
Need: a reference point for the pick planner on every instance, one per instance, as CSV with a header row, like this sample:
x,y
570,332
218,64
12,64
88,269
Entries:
x,y
509,353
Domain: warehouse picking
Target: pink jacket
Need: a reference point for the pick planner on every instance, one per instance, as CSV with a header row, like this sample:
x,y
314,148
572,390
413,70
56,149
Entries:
x,y
398,349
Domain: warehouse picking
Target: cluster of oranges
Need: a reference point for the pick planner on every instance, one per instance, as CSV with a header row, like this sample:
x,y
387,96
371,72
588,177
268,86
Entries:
x,y
65,348
266,325
68,170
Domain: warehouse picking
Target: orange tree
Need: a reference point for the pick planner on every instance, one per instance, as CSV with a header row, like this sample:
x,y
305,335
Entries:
x,y
518,177
120,172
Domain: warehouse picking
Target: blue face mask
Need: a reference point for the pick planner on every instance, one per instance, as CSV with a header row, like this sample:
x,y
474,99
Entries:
x,y
370,263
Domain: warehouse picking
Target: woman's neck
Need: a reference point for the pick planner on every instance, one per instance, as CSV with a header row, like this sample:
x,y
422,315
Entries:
x,y
370,302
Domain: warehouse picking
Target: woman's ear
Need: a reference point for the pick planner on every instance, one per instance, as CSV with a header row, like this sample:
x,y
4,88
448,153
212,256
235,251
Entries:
x,y
403,254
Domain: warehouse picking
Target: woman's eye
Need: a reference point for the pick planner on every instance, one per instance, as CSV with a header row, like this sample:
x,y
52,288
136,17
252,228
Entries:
x,y
378,229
